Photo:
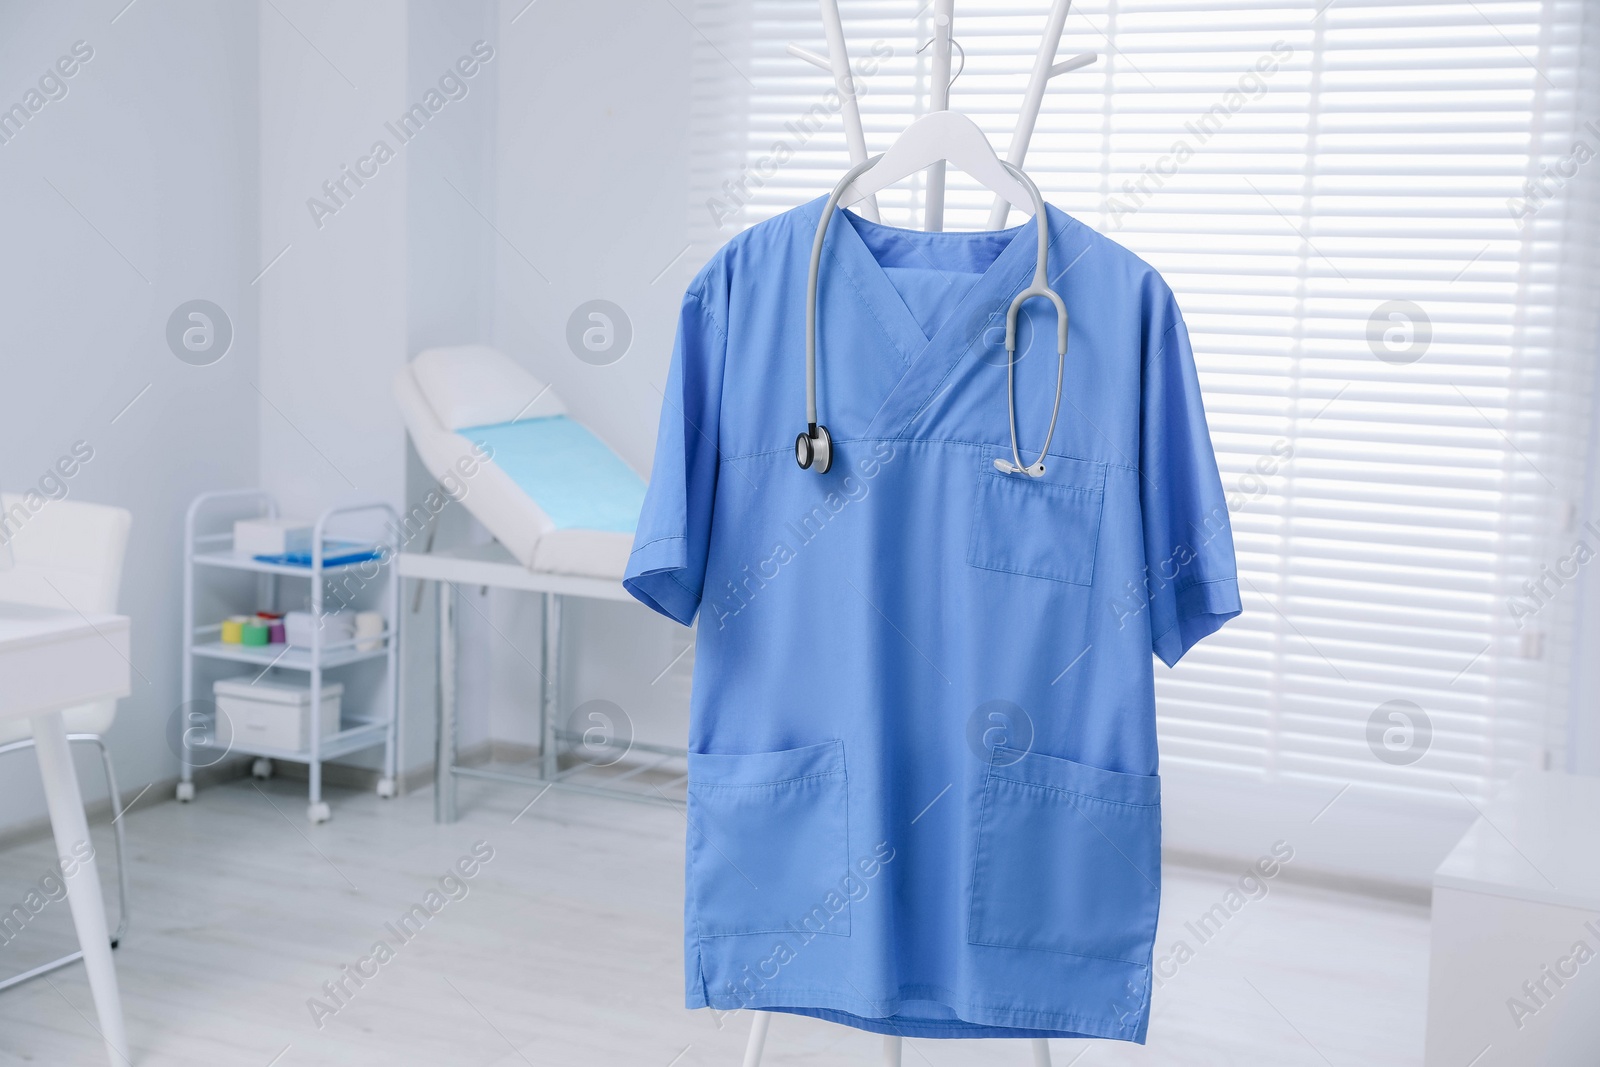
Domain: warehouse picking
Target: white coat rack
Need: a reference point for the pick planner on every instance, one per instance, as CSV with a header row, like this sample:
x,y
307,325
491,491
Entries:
x,y
837,63
1045,67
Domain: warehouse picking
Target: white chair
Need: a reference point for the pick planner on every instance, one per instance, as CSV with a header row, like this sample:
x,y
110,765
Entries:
x,y
67,555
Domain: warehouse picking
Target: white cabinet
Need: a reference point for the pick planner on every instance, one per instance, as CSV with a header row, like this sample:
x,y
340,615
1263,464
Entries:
x,y
1514,969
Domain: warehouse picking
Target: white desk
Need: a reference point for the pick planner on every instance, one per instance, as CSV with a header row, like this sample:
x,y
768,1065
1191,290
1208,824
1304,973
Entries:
x,y
51,660
1510,904
491,565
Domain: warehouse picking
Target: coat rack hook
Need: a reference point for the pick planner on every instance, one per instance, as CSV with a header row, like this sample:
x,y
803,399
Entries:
x,y
815,59
953,44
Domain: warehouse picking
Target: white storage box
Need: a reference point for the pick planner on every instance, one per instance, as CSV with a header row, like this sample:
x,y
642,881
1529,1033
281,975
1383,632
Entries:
x,y
271,537
267,715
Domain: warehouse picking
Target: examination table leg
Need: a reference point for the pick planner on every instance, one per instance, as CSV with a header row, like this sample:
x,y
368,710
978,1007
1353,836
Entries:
x,y
444,779
550,687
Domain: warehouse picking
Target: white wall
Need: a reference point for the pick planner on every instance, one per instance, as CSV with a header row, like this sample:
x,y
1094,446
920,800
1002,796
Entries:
x,y
333,309
131,194
592,170
403,262
594,166
191,143
560,177
450,301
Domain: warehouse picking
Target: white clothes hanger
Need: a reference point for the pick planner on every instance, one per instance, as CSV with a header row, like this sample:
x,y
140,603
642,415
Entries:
x,y
941,136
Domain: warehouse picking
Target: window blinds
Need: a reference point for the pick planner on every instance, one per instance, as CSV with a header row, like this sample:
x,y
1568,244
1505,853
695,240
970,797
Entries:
x,y
1377,219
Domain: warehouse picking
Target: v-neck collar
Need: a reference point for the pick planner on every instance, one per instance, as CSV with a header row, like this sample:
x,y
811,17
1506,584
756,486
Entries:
x,y
930,360
885,303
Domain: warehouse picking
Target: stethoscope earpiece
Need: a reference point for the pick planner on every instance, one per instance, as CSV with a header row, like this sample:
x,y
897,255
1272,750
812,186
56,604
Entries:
x,y
1005,466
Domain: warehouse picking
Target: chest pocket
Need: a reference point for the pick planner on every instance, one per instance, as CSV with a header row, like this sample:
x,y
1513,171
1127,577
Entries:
x,y
1045,527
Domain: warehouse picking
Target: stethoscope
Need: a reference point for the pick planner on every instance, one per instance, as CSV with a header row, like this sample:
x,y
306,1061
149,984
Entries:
x,y
814,448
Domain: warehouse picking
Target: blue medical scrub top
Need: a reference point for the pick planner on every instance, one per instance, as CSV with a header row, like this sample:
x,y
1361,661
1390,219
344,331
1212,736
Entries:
x,y
923,793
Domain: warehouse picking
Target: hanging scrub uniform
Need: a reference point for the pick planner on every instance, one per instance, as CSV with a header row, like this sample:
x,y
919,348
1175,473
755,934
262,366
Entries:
x,y
923,797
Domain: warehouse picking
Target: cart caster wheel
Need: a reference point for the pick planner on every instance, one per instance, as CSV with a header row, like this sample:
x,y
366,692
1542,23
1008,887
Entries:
x,y
261,768
386,787
319,813
185,792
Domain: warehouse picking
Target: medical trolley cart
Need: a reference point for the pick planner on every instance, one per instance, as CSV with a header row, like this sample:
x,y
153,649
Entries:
x,y
372,581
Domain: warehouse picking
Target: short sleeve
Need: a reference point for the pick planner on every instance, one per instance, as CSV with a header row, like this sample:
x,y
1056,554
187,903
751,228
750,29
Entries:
x,y
667,568
1190,574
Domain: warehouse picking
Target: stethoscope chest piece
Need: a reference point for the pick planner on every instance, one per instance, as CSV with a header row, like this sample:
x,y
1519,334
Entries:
x,y
814,449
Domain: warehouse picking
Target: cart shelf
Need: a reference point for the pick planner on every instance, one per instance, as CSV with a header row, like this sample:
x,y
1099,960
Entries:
x,y
208,548
352,738
240,561
292,658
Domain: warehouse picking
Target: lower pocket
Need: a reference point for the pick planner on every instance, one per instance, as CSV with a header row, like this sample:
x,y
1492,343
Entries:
x,y
768,841
1068,858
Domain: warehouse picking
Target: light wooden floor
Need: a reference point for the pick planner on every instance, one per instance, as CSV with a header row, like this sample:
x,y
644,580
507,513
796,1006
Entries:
x,y
567,951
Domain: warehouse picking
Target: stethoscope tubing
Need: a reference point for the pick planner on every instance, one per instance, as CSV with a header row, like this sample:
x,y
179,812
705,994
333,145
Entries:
x,y
811,283
1039,287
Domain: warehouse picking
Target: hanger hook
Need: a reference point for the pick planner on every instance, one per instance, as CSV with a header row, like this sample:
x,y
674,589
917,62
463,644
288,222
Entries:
x,y
957,46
